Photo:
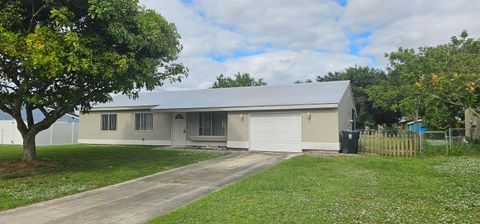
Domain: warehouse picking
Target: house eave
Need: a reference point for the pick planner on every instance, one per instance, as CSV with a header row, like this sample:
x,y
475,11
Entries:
x,y
145,107
251,108
246,108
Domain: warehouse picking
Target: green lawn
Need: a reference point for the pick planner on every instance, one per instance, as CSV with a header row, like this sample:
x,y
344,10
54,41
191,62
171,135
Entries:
x,y
454,150
71,169
347,189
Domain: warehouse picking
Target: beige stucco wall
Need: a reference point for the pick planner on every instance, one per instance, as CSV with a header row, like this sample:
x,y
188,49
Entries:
x,y
321,127
472,121
345,111
90,127
238,127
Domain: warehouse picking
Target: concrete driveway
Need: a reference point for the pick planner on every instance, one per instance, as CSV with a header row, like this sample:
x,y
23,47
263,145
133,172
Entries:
x,y
140,200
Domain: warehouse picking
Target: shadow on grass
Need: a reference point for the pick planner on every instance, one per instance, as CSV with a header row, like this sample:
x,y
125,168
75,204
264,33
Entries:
x,y
86,158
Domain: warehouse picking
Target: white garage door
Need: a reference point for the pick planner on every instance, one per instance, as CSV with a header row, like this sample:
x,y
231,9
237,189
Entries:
x,y
277,132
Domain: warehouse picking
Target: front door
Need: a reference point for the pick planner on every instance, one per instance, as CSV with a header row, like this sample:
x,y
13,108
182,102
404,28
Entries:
x,y
179,128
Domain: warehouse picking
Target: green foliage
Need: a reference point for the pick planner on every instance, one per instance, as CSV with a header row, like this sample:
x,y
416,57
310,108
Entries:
x,y
300,81
346,189
239,80
71,169
438,82
68,55
451,94
470,149
361,78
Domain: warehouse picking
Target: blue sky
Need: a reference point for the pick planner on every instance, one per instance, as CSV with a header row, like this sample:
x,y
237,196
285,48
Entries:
x,y
283,41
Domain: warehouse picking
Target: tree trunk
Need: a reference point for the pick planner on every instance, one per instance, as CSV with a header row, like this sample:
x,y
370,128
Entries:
x,y
415,121
415,124
29,148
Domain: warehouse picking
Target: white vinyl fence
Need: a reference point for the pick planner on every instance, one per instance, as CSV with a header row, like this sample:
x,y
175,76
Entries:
x,y
60,133
9,135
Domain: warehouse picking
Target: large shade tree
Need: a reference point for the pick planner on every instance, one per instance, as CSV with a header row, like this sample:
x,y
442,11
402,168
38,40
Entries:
x,y
437,82
453,76
238,80
362,77
58,56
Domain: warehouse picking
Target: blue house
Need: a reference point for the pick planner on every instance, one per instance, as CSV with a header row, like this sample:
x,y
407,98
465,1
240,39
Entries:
x,y
420,128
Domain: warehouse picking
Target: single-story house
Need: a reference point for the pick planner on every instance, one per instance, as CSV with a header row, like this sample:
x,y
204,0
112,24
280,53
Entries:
x,y
287,118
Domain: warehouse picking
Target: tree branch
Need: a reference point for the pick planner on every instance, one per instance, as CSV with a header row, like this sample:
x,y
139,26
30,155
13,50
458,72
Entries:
x,y
447,100
34,14
473,111
7,87
46,122
29,112
16,114
44,112
455,103
5,109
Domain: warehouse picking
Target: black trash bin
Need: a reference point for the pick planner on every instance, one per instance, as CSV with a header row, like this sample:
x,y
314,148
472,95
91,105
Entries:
x,y
349,143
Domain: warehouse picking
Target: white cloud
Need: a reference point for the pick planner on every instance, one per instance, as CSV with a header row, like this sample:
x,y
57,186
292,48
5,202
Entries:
x,y
300,39
419,31
202,73
411,24
285,67
298,25
362,15
199,35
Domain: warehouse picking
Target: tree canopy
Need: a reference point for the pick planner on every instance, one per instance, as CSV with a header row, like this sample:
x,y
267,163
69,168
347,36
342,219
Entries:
x,y
300,81
438,82
238,80
362,77
68,55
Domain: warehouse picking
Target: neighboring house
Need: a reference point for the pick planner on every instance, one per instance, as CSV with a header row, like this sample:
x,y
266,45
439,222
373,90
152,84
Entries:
x,y
268,118
472,122
38,116
420,129
63,131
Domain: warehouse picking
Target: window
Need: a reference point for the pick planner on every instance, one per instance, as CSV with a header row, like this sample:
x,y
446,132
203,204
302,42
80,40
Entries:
x,y
213,123
109,122
178,116
143,121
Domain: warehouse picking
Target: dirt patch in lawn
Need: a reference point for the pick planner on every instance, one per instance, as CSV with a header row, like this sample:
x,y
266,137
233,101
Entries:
x,y
17,168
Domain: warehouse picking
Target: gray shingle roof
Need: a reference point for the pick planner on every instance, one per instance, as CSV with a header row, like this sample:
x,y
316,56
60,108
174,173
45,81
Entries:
x,y
295,94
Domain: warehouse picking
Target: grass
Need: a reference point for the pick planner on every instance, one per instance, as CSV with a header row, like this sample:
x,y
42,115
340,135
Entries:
x,y
454,150
347,189
66,170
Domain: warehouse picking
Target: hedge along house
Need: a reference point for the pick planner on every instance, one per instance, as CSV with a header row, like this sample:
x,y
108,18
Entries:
x,y
288,118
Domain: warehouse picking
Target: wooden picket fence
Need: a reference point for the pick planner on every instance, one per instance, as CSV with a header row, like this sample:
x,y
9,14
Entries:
x,y
400,144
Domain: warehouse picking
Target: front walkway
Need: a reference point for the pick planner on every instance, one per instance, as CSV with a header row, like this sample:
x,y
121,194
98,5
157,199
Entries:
x,y
140,200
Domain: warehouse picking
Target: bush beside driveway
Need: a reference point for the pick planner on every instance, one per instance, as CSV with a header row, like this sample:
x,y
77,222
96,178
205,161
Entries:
x,y
66,170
